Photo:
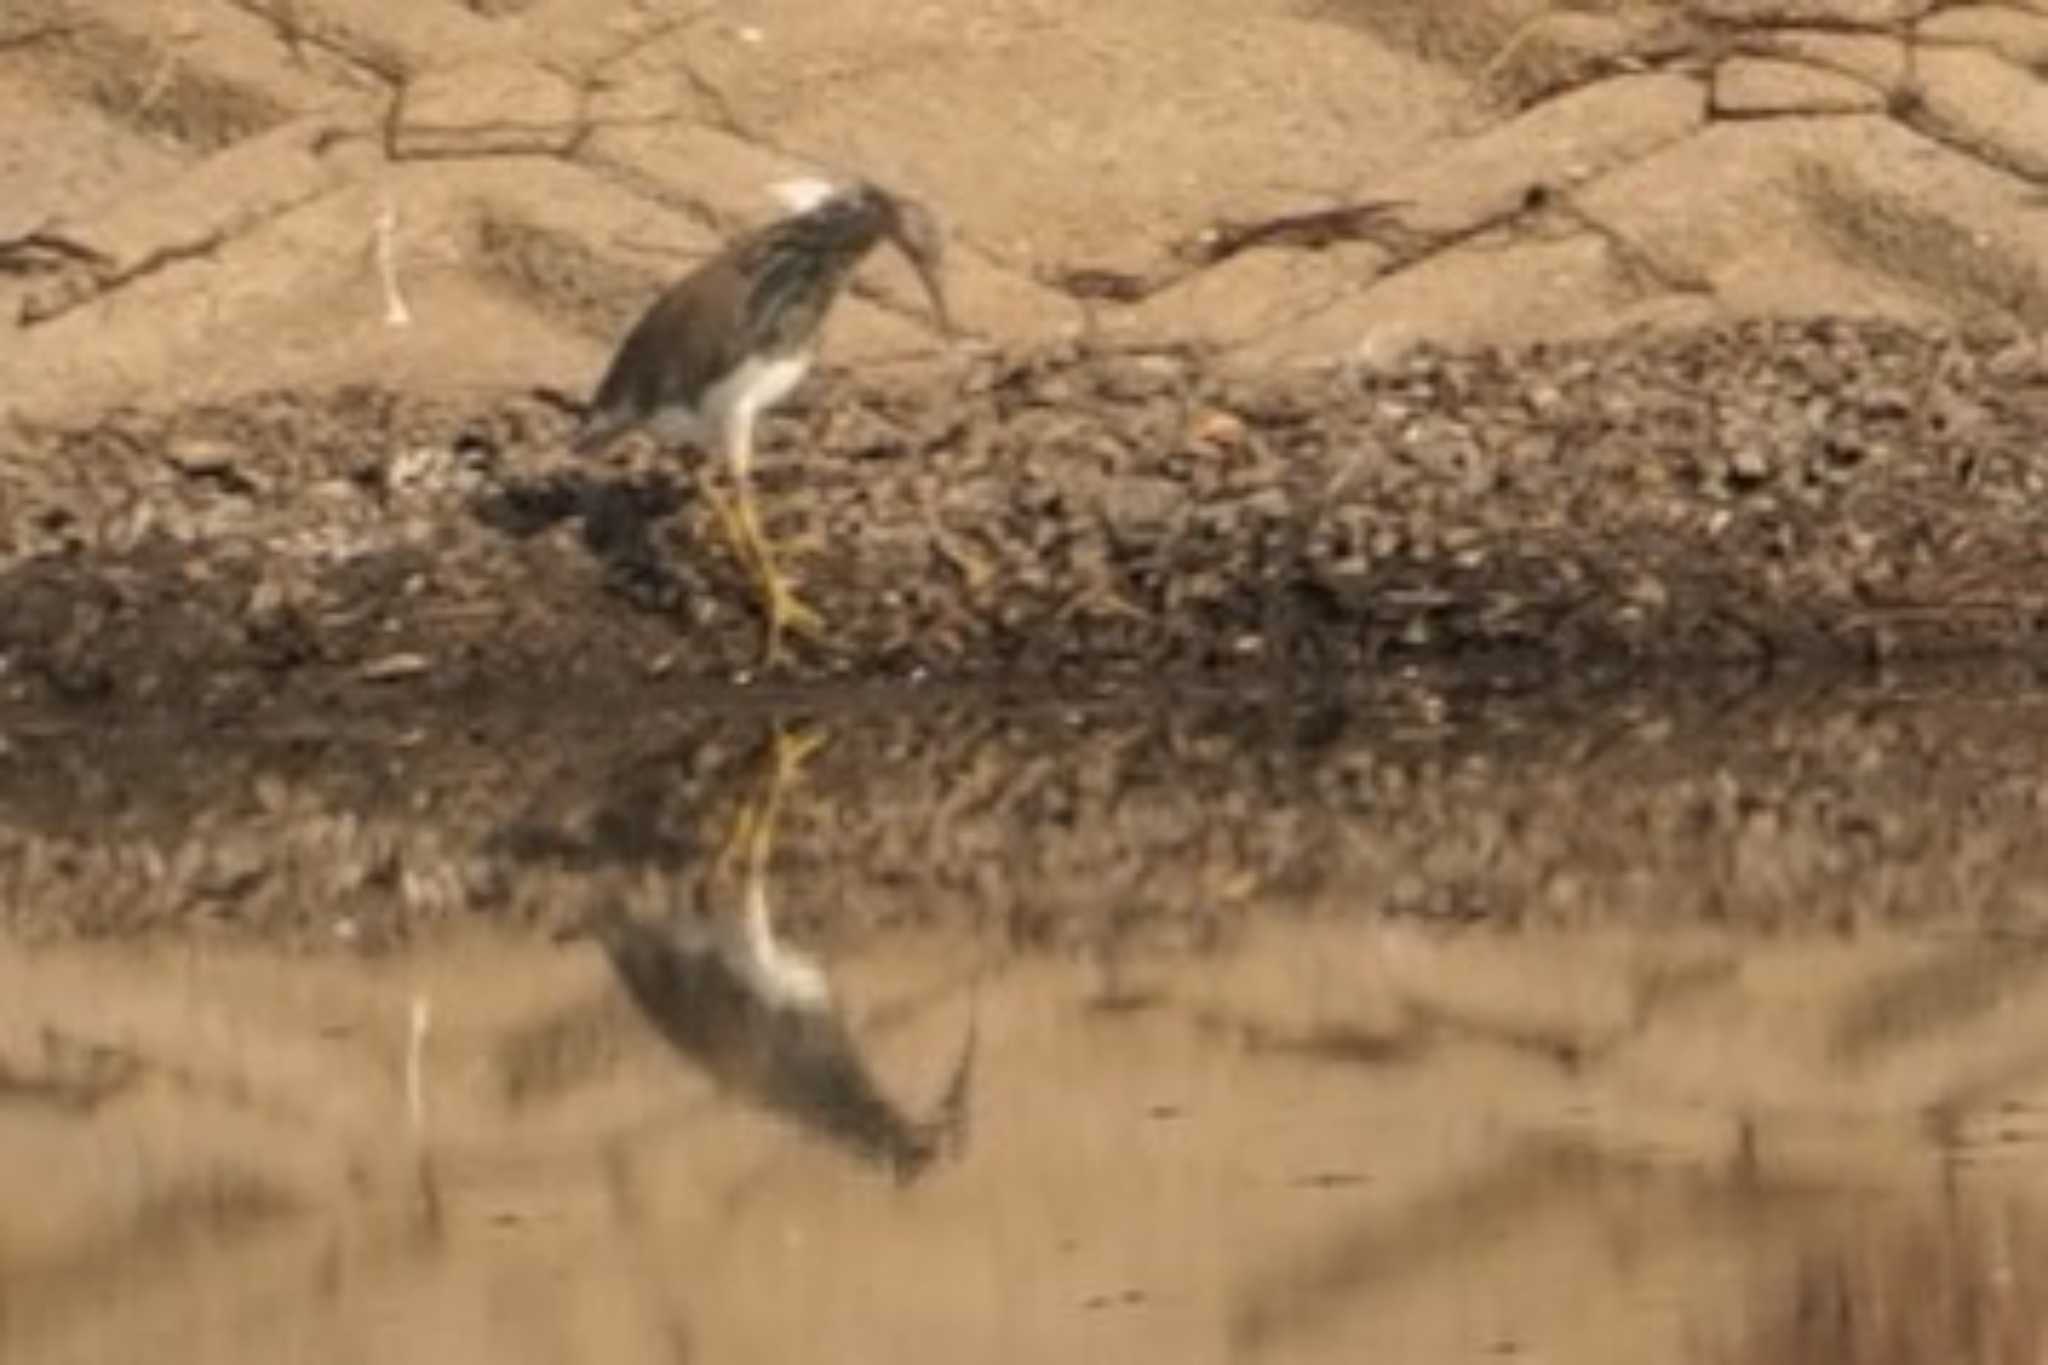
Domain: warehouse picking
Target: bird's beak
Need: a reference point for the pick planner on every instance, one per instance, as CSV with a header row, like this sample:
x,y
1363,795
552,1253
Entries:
x,y
923,253
935,290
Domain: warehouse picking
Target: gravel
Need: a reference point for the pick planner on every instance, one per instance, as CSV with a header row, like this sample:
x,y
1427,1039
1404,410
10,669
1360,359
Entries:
x,y
1812,489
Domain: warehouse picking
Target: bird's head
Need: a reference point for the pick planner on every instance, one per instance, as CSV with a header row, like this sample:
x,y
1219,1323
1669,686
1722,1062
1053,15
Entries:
x,y
914,230
868,211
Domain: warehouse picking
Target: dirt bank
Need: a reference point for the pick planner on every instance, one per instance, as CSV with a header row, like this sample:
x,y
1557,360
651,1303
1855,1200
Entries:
x,y
1791,489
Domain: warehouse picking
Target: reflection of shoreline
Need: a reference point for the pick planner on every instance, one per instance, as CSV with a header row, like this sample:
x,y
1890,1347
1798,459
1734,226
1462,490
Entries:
x,y
759,1016
1169,827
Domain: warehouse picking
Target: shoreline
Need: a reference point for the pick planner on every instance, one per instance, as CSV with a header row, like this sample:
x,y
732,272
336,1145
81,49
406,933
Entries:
x,y
1797,491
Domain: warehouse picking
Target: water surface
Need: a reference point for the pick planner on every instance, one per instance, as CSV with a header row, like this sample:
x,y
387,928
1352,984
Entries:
x,y
1434,1023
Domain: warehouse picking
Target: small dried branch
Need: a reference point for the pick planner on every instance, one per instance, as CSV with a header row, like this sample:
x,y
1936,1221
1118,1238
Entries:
x,y
1312,231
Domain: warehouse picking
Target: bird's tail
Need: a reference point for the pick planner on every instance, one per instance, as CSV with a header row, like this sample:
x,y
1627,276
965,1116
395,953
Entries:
x,y
598,429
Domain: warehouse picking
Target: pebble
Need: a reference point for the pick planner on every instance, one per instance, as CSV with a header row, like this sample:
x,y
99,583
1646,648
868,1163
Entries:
x,y
394,667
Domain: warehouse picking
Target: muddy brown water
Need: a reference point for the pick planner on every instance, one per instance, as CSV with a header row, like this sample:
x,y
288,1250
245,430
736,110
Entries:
x,y
1435,1020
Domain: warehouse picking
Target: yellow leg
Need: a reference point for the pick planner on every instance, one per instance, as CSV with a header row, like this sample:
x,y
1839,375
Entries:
x,y
779,603
728,522
753,830
784,609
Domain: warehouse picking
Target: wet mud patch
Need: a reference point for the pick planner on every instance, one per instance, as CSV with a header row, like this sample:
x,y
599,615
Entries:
x,y
1762,491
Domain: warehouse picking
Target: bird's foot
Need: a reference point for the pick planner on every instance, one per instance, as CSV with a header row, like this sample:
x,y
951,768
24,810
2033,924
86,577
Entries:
x,y
729,522
803,544
786,612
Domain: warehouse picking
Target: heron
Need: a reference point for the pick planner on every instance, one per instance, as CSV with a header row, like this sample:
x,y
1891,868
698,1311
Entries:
x,y
738,334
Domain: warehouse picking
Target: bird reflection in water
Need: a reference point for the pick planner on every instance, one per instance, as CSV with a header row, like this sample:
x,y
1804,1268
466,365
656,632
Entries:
x,y
759,1015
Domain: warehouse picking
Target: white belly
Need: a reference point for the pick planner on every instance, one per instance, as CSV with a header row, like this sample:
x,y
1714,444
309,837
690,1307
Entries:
x,y
754,387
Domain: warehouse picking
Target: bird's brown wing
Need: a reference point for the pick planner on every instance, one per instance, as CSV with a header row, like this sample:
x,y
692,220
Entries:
x,y
765,295
680,346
